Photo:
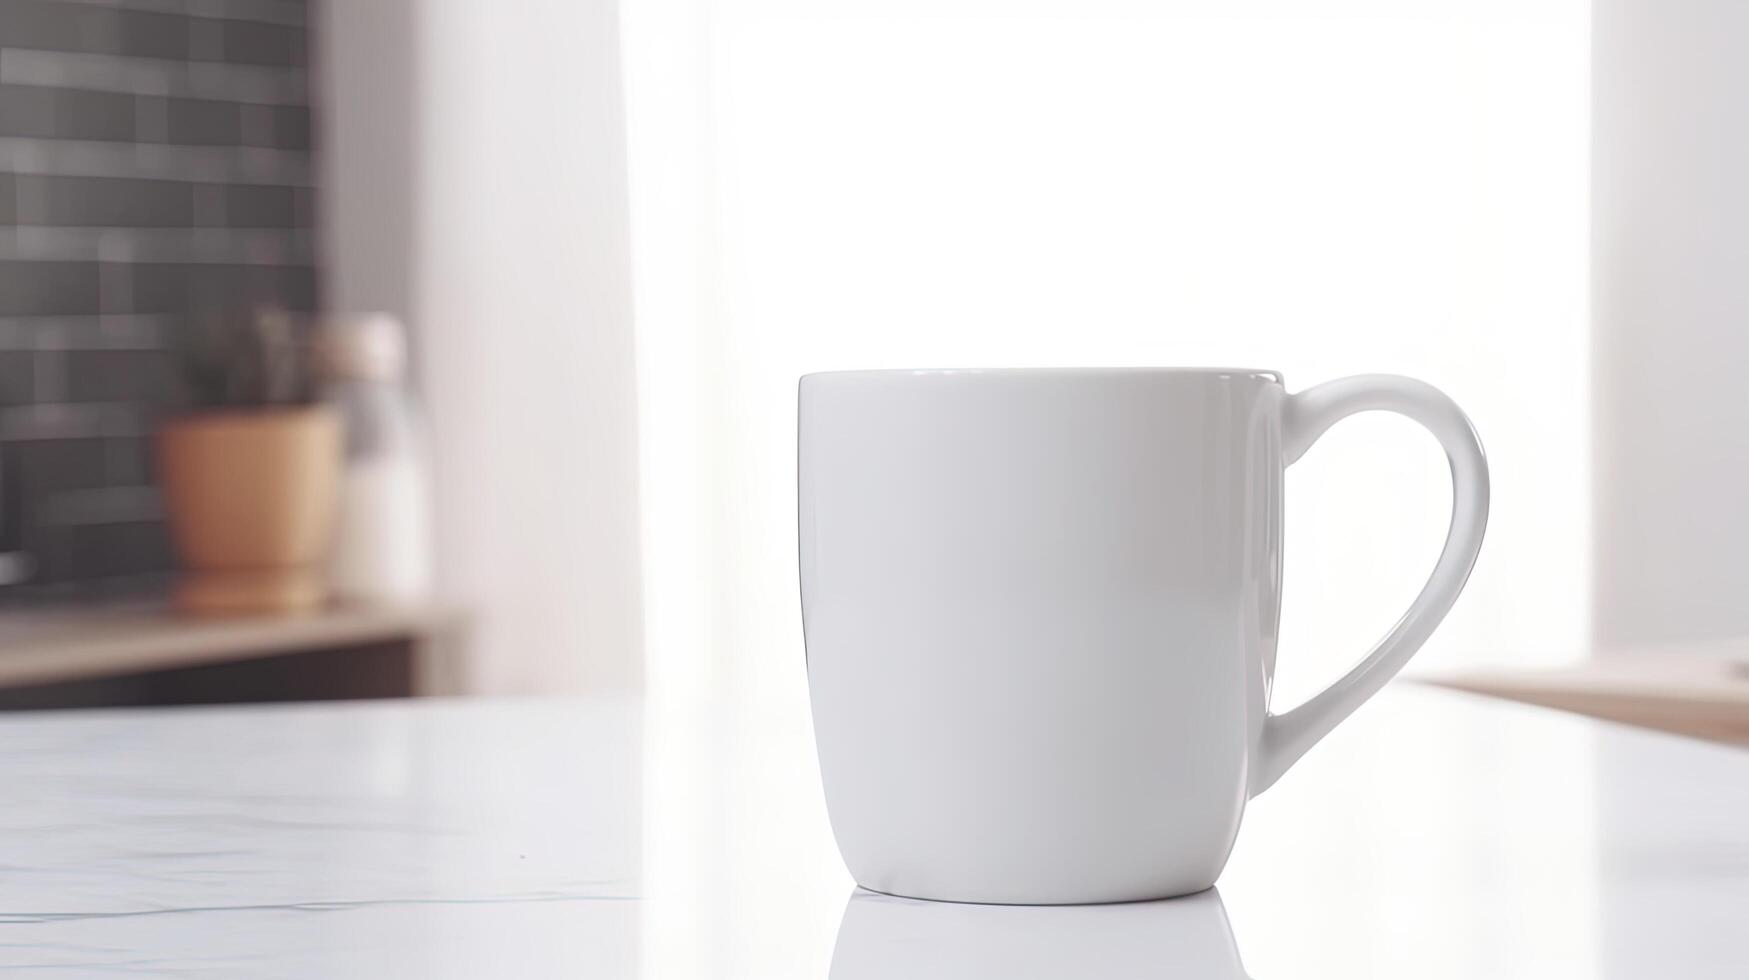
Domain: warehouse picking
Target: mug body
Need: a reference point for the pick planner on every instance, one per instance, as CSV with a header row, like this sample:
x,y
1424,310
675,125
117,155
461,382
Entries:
x,y
1040,609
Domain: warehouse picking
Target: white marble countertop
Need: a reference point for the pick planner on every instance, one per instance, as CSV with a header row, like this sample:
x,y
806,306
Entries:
x,y
1433,836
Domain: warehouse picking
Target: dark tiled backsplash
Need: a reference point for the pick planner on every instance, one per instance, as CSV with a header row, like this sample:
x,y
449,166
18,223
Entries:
x,y
104,202
43,112
155,161
90,27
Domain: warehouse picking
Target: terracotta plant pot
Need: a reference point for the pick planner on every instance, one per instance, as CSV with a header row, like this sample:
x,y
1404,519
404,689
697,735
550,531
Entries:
x,y
250,496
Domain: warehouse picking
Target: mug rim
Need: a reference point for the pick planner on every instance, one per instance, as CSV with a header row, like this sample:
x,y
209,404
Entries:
x,y
1254,374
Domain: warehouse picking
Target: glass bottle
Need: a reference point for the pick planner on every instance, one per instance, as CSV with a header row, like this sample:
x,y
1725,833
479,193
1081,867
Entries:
x,y
382,543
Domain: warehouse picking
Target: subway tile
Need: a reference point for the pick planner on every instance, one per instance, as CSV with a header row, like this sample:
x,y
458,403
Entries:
x,y
152,35
156,6
52,466
260,206
206,39
214,122
48,377
28,110
244,287
91,29
68,420
204,122
88,202
161,287
44,288
156,76
65,113
298,287
115,287
209,205
158,287
71,158
146,376
17,374
291,127
255,43
282,127
112,550
128,461
86,28
152,119
133,32
293,12
114,503
47,546
303,207
42,112
256,125
59,26
195,246
119,332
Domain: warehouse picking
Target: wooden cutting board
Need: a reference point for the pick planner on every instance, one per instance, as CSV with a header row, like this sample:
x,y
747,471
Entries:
x,y
1700,694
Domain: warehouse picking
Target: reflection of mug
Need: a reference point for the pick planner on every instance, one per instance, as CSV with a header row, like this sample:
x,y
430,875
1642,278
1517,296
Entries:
x,y
1041,615
885,938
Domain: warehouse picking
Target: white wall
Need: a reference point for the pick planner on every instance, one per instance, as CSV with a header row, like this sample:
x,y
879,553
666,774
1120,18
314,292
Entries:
x,y
474,165
1671,298
1324,189
1670,285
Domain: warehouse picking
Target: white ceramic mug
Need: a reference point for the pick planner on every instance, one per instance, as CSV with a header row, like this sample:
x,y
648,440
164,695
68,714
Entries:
x,y
1040,610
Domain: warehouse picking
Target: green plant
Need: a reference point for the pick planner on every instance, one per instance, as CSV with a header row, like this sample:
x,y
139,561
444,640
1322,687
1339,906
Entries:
x,y
261,360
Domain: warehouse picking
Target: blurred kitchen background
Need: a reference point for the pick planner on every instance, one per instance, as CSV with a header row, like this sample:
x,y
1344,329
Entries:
x,y
435,220
195,209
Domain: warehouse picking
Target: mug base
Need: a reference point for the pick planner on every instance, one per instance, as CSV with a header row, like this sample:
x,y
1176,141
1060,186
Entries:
x,y
1041,901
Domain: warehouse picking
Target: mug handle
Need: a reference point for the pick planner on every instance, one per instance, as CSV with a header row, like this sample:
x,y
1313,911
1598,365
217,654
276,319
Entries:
x,y
1305,417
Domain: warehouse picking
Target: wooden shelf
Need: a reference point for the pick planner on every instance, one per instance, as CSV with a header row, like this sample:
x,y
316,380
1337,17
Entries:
x,y
1705,695
54,644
